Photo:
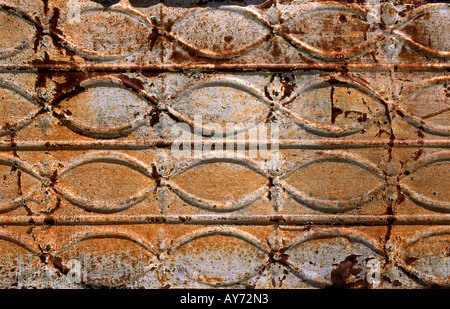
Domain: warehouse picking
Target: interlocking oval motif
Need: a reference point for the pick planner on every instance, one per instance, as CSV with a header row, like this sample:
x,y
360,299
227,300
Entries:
x,y
371,107
19,108
19,24
227,47
334,205
216,98
102,206
438,108
415,15
23,168
100,268
334,50
423,250
439,163
219,206
115,116
218,38
185,255
336,245
262,182
107,123
100,40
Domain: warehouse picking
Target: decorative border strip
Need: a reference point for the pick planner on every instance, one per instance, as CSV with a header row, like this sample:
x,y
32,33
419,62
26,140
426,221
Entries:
x,y
207,67
214,219
157,143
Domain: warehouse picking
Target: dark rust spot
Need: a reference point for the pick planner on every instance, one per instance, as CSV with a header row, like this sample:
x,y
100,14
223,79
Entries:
x,y
277,219
341,274
267,5
335,111
154,117
49,220
279,257
417,154
228,39
409,260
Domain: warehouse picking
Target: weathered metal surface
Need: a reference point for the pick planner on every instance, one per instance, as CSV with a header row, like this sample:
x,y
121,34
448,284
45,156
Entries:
x,y
93,193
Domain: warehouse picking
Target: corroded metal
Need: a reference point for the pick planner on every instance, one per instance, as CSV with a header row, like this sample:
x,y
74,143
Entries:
x,y
93,195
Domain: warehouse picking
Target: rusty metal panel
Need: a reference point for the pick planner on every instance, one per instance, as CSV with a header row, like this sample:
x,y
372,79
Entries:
x,y
276,144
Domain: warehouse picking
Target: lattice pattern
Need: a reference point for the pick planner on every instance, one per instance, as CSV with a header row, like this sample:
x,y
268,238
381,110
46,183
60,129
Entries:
x,y
211,32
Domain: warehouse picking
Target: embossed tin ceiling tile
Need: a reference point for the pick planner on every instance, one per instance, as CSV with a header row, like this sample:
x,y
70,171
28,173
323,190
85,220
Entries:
x,y
255,144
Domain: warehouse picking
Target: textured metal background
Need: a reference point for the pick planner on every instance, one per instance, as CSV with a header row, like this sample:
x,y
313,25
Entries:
x,y
90,89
